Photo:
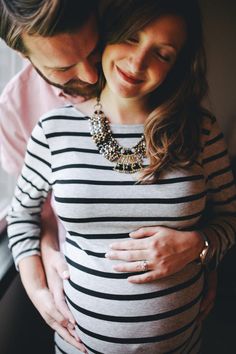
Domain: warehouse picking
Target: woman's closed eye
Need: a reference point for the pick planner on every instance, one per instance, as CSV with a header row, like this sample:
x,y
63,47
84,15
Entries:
x,y
167,58
132,40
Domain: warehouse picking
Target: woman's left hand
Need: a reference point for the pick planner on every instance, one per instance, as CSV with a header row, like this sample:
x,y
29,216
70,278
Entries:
x,y
157,250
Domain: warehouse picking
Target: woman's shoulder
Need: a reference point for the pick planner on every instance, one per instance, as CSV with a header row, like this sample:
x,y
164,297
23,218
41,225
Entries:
x,y
210,128
65,118
62,112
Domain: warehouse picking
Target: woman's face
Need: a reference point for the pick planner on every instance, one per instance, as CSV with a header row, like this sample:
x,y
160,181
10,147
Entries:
x,y
139,65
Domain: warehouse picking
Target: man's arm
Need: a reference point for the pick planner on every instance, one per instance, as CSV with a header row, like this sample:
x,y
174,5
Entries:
x,y
22,101
54,263
24,238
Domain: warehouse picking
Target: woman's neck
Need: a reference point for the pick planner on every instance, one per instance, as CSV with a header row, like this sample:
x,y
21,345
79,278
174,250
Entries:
x,y
123,110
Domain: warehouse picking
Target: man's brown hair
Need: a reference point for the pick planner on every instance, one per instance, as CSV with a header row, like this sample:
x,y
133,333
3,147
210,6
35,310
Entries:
x,y
44,18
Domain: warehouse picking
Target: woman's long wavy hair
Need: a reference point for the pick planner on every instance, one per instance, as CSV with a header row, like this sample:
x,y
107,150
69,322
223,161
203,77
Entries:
x,y
172,130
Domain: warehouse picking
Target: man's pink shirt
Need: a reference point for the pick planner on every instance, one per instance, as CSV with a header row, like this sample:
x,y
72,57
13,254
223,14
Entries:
x,y
25,98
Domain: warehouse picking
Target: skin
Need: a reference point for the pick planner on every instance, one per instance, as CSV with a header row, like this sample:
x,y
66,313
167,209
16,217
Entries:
x,y
67,59
152,52
70,60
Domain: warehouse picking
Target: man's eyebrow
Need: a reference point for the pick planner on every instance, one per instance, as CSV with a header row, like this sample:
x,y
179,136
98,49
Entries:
x,y
94,50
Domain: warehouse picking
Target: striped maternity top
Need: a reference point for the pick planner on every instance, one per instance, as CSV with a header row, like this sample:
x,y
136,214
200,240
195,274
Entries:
x,y
98,206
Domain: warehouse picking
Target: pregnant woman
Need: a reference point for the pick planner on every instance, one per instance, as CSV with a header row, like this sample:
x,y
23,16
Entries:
x,y
143,152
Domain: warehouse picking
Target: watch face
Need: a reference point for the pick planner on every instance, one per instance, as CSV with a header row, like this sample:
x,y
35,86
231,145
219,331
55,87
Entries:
x,y
205,255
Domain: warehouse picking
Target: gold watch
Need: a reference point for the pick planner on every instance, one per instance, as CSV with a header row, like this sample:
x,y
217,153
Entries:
x,y
207,252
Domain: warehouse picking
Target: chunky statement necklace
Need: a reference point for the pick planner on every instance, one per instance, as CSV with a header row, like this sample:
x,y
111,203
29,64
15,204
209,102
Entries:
x,y
128,160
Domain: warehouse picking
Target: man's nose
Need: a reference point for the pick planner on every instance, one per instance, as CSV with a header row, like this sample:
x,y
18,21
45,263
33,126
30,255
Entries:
x,y
87,72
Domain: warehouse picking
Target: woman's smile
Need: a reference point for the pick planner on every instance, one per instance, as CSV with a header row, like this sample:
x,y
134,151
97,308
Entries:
x,y
128,77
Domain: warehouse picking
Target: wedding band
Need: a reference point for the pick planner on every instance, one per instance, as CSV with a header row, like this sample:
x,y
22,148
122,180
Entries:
x,y
144,266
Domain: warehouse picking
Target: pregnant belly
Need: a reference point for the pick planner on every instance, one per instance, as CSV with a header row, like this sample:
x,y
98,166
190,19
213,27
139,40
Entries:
x,y
114,316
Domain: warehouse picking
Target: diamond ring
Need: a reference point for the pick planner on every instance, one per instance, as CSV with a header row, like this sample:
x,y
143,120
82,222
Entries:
x,y
144,266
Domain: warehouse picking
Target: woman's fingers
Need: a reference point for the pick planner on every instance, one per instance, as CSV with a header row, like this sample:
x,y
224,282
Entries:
x,y
145,232
128,256
146,277
129,245
166,250
139,266
140,239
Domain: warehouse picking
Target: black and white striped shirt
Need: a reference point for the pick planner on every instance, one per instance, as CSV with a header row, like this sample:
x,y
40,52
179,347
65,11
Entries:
x,y
97,206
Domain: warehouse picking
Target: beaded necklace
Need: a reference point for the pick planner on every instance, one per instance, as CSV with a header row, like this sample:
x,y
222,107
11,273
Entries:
x,y
127,160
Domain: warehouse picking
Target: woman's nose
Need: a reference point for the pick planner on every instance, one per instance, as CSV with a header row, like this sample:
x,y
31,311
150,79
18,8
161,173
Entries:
x,y
138,61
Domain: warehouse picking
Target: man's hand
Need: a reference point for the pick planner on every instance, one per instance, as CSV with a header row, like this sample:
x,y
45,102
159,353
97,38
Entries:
x,y
54,263
44,303
33,279
56,270
165,252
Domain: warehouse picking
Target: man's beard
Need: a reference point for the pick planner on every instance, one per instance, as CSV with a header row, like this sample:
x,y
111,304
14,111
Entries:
x,y
74,87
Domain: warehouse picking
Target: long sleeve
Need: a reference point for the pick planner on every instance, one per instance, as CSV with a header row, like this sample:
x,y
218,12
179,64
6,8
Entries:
x,y
32,189
221,192
24,99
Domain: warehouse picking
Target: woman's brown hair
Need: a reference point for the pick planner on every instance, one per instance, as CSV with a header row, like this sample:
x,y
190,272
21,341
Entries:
x,y
172,130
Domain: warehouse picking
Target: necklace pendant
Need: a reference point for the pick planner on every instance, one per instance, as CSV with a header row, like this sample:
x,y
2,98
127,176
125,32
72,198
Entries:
x,y
128,160
132,168
128,163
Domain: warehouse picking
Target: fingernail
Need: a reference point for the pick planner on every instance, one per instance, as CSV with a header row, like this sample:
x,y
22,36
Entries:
x,y
65,274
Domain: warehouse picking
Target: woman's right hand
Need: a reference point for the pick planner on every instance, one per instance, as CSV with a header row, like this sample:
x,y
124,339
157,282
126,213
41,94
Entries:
x,y
157,251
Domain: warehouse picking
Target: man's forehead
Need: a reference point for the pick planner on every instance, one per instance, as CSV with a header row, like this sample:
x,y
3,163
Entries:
x,y
78,43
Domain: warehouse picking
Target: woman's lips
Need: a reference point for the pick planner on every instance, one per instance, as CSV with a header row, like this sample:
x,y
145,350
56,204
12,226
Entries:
x,y
128,77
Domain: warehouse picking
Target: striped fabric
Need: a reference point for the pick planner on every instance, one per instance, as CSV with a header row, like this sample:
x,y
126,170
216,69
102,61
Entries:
x,y
97,206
